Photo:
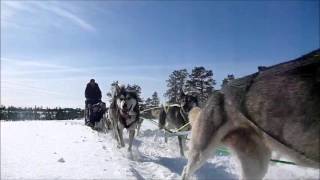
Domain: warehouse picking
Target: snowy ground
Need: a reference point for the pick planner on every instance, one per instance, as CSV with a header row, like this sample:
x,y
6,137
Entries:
x,y
70,150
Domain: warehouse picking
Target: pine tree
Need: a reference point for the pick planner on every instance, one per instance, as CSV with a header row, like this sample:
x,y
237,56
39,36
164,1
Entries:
x,y
3,112
148,103
137,89
155,101
60,114
175,84
202,81
142,105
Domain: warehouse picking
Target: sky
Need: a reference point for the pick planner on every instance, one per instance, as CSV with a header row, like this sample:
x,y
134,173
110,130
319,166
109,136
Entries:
x,y
51,49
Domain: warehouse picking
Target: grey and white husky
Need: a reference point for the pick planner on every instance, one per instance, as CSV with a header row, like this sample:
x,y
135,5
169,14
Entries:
x,y
123,113
274,109
176,116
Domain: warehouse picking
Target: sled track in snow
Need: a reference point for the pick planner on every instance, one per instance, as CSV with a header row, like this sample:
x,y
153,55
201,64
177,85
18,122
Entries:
x,y
35,151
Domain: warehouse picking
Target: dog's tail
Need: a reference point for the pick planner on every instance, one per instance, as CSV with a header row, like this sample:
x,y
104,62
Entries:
x,y
162,118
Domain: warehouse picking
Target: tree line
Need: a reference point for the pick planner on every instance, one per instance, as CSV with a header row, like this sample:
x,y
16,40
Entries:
x,y
198,82
39,113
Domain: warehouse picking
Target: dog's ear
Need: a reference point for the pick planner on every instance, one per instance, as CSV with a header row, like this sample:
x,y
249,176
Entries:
x,y
115,90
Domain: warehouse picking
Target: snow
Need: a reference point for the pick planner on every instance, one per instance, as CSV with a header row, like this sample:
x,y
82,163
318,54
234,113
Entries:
x,y
70,150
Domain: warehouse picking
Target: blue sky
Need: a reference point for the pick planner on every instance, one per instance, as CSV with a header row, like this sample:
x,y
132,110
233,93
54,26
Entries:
x,y
50,49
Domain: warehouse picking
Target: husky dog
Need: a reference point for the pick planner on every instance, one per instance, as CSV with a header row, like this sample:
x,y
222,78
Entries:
x,y
193,115
123,113
104,124
274,109
176,116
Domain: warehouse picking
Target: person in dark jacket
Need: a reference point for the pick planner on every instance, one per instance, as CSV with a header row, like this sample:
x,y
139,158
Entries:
x,y
93,96
92,93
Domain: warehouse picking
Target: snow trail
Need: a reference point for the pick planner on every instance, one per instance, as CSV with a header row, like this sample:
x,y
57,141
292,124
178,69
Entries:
x,y
69,150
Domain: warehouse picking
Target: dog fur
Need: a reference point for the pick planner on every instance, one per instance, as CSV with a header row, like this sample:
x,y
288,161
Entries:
x,y
175,116
274,109
124,113
193,115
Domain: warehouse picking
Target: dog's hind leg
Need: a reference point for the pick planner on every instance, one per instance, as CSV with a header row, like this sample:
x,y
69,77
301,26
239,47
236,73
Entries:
x,y
165,136
206,133
116,133
140,121
251,150
198,156
115,129
255,161
131,137
180,139
138,128
119,134
121,137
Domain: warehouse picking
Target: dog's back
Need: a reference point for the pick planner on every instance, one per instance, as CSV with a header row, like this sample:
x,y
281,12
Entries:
x,y
278,105
284,101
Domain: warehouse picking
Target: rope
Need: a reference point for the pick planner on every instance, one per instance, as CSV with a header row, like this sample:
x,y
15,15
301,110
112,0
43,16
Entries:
x,y
177,130
166,107
150,109
157,124
184,114
166,110
224,150
284,162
